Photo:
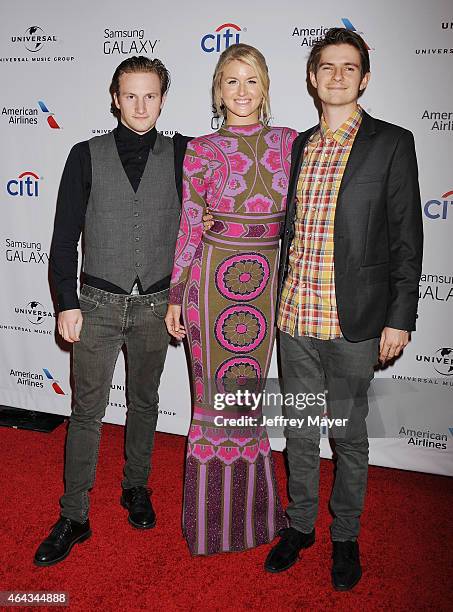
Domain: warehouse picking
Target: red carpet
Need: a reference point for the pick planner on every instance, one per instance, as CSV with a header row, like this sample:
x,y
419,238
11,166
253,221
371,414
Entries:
x,y
406,540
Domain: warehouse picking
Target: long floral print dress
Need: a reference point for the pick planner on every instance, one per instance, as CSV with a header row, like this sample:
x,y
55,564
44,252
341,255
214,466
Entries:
x,y
226,280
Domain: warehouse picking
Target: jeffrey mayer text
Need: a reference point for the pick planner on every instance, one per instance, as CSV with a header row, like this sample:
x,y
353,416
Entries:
x,y
279,421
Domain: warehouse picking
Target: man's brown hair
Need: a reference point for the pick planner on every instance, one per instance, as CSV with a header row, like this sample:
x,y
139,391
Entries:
x,y
340,36
138,63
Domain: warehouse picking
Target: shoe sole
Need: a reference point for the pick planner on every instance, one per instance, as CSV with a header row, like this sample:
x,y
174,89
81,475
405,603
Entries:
x,y
137,525
283,569
79,540
343,589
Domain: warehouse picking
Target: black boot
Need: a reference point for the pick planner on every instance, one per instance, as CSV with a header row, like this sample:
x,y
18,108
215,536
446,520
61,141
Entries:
x,y
286,552
141,512
346,569
57,546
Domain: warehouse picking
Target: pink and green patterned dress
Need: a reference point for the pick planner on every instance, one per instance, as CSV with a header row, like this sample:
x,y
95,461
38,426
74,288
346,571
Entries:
x,y
225,280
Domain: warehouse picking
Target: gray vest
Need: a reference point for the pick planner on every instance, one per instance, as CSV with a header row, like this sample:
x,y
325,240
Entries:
x,y
131,234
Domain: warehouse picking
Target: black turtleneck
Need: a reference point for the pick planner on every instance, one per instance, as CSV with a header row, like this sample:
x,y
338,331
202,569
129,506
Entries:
x,y
73,196
133,150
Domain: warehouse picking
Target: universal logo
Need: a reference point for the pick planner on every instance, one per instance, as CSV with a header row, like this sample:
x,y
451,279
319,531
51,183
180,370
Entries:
x,y
443,48
35,312
100,131
441,360
34,38
168,132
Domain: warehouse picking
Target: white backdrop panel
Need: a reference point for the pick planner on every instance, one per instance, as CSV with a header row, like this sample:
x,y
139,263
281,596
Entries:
x,y
56,94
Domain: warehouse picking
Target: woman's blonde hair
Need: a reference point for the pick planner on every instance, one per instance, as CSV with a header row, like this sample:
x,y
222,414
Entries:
x,y
254,58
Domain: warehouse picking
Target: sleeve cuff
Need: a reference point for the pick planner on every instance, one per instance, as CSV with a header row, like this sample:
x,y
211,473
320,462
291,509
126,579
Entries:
x,y
176,294
68,301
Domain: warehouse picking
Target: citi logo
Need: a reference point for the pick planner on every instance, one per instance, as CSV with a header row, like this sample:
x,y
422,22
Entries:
x,y
25,185
438,209
225,35
54,383
348,25
50,116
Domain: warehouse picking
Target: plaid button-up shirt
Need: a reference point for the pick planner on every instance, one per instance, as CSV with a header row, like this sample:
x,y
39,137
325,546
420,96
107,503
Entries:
x,y
308,301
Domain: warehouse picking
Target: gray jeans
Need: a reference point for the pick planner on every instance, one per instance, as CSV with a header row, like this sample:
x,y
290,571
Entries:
x,y
109,322
344,370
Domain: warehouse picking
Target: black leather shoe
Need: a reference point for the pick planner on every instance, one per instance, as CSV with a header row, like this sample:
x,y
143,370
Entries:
x,y
346,569
141,512
286,552
57,546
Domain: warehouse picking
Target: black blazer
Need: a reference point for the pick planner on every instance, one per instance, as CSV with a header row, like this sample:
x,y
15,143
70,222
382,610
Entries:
x,y
378,230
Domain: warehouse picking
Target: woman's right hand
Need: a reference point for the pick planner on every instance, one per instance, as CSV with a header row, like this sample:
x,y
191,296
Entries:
x,y
208,220
172,321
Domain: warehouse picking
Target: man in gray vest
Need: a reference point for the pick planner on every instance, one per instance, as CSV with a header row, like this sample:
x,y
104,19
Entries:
x,y
123,190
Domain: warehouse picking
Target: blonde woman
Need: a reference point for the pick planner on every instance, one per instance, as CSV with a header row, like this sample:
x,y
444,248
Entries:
x,y
224,282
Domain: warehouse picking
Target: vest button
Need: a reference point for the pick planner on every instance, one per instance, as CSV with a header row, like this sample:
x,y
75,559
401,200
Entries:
x,y
137,265
136,226
136,214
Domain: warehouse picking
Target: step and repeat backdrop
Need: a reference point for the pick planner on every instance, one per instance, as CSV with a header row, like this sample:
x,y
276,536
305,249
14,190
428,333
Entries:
x,y
56,62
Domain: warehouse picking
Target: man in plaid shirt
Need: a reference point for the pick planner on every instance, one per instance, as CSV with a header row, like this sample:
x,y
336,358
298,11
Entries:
x,y
348,288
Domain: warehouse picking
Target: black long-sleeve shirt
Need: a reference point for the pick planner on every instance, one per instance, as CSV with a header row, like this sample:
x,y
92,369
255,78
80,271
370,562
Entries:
x,y
73,196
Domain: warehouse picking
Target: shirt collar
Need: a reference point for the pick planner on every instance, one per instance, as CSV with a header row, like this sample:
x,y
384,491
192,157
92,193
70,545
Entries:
x,y
346,131
127,136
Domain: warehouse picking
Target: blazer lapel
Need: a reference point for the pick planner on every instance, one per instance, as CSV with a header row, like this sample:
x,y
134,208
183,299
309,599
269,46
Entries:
x,y
359,151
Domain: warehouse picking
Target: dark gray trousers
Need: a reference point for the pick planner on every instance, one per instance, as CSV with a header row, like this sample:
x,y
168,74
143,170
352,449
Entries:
x,y
344,371
109,322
